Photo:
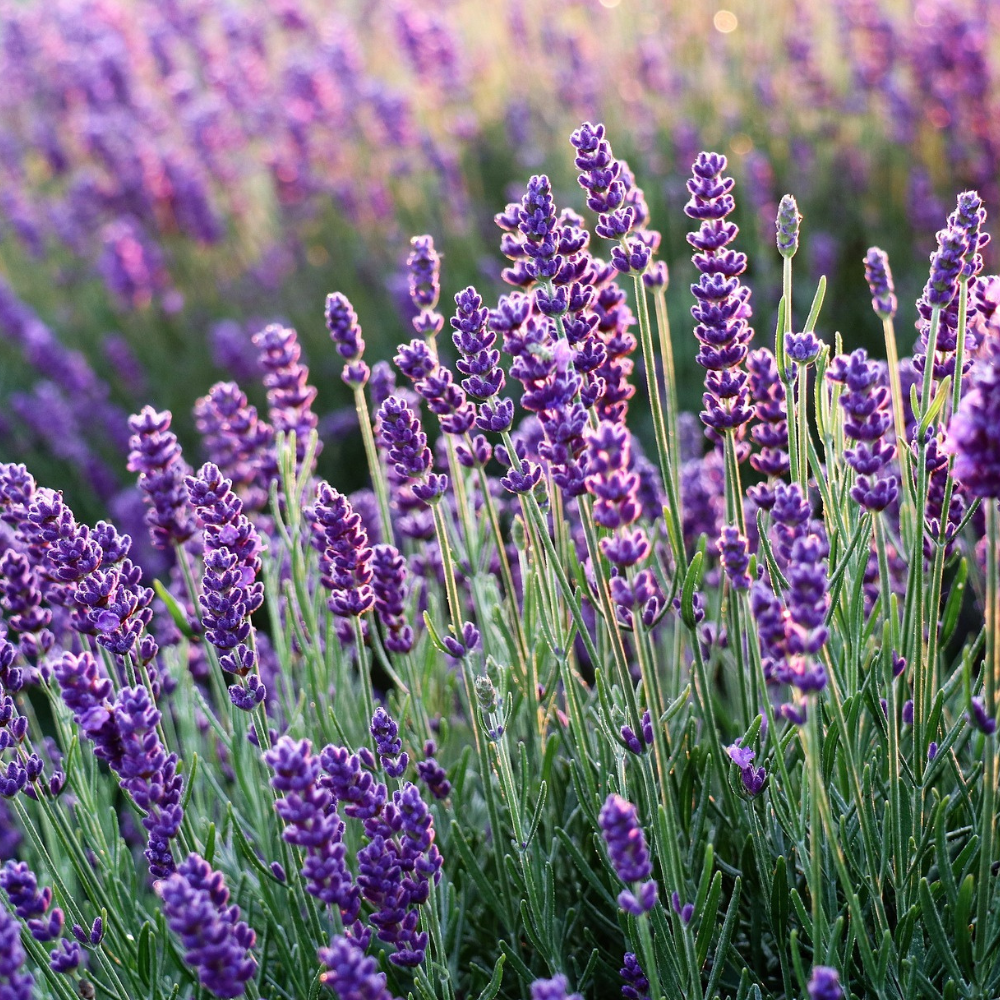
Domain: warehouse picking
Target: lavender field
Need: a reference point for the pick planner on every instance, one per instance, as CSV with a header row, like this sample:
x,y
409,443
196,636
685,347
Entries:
x,y
499,501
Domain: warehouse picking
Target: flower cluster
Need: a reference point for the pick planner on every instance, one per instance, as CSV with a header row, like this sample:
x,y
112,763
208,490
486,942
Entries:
x,y
770,432
868,417
389,590
629,855
722,309
346,559
156,456
400,861
230,591
614,488
408,451
342,322
792,630
309,811
424,267
217,943
235,440
289,395
124,732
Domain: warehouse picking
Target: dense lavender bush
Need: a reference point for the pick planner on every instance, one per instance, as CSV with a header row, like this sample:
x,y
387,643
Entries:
x,y
536,714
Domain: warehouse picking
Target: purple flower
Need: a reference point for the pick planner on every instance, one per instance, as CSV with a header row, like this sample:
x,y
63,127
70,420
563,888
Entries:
x,y
217,942
787,226
867,418
346,558
722,309
974,432
311,822
385,732
289,395
979,718
156,456
352,974
342,322
615,491
30,903
437,386
605,181
389,589
742,757
124,735
684,911
408,451
636,985
236,440
628,853
824,984
424,266
66,957
230,591
553,989
433,774
879,279
735,556
15,984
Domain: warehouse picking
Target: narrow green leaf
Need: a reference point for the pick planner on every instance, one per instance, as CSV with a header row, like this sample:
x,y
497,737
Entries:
x,y
779,339
883,960
244,847
779,900
706,928
676,705
209,853
934,409
963,929
585,868
777,577
543,794
493,986
691,580
433,633
520,968
954,604
935,930
475,871
143,954
705,882
817,304
176,611
725,938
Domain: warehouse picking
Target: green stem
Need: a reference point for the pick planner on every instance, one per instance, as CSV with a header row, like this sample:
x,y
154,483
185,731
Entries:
x,y
991,681
672,510
375,470
815,876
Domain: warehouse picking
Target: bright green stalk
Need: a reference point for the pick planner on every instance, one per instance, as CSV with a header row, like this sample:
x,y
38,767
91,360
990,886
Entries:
x,y
672,510
991,683
375,469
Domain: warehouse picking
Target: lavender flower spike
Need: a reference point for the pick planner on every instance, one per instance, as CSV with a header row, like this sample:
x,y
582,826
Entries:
x,y
824,984
629,854
156,456
787,226
352,974
879,279
342,322
974,432
408,451
553,989
217,942
15,984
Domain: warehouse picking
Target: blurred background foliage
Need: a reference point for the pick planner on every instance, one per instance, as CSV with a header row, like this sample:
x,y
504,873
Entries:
x,y
175,174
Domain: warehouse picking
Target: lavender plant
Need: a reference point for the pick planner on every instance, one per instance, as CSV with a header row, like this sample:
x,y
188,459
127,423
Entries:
x,y
537,714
